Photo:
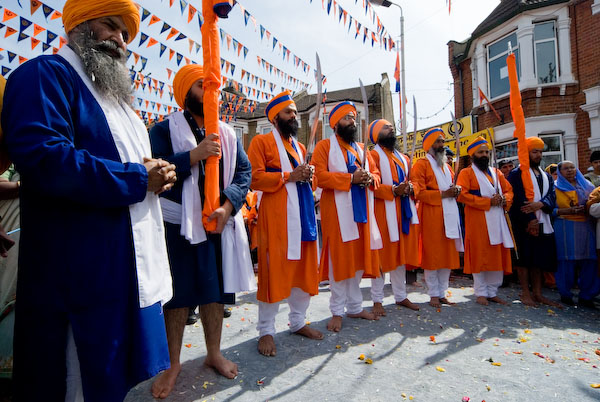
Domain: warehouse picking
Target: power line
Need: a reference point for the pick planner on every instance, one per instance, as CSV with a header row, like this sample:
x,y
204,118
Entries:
x,y
435,114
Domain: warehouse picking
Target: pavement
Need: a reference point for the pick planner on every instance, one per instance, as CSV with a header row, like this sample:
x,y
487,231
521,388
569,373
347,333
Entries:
x,y
464,352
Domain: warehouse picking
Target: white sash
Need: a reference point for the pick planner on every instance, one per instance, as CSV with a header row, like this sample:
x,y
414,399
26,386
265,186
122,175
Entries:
x,y
449,206
497,227
541,216
133,144
294,226
183,140
413,208
343,200
238,275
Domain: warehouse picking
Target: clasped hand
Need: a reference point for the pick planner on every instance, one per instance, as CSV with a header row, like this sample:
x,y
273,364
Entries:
x,y
161,175
303,173
498,201
452,192
362,177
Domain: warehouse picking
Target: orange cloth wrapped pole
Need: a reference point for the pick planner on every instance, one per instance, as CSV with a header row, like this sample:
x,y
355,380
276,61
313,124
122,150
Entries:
x,y
212,82
516,109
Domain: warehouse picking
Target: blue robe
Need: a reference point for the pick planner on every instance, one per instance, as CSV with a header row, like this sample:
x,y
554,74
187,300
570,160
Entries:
x,y
76,261
196,268
534,251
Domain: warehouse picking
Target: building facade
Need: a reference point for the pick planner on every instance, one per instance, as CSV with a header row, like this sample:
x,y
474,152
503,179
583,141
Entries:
x,y
557,49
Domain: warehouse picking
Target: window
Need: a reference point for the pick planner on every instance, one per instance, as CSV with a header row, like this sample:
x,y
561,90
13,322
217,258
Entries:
x,y
239,132
497,69
546,61
265,129
553,151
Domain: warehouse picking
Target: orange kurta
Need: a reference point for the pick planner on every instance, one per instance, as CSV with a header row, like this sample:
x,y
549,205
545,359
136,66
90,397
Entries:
x,y
480,255
276,274
437,251
250,213
406,250
352,256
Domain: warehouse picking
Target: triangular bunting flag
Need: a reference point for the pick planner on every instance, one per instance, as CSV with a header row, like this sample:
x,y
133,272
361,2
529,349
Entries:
x,y
34,43
172,33
144,61
11,56
22,36
5,70
37,29
22,59
153,20
182,4
50,36
47,10
162,49
191,12
34,6
45,46
24,24
143,38
9,31
164,27
171,54
179,58
136,57
55,15
63,41
200,20
145,13
180,37
152,42
8,15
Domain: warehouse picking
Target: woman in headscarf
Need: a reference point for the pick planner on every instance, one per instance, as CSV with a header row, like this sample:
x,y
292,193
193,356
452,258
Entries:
x,y
575,235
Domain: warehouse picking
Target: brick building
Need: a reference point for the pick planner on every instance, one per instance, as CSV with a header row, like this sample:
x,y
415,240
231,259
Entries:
x,y
247,125
557,46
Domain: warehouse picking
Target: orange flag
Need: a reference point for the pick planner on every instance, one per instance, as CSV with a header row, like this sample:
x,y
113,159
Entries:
x,y
516,109
37,29
212,82
8,15
153,20
152,42
57,14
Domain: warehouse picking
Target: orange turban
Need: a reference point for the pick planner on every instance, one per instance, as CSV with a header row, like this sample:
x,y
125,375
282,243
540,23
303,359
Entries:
x,y
475,144
76,12
340,110
183,81
375,127
278,103
431,136
534,143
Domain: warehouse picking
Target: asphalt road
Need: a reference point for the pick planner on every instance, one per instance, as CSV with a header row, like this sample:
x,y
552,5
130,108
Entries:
x,y
493,353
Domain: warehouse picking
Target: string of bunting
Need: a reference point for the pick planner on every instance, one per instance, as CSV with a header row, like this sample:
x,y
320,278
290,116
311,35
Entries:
x,y
380,35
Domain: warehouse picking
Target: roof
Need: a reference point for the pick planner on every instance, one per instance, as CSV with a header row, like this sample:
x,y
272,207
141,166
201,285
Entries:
x,y
506,10
305,102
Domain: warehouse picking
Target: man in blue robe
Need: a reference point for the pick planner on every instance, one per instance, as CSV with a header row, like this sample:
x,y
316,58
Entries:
x,y
197,257
93,249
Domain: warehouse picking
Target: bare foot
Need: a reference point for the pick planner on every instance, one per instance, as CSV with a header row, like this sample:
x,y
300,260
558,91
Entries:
x,y
528,301
335,324
378,310
226,368
443,300
498,300
164,384
482,300
543,300
309,333
408,304
266,346
365,315
435,302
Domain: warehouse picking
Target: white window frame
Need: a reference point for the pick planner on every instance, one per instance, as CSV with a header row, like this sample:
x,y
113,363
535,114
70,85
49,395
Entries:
x,y
264,129
498,56
326,134
239,132
515,158
537,42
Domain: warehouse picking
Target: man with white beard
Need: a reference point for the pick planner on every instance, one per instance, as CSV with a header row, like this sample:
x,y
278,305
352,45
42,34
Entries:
x,y
92,242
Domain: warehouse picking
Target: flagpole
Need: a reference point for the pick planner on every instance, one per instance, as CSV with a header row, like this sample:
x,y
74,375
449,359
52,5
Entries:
x,y
403,89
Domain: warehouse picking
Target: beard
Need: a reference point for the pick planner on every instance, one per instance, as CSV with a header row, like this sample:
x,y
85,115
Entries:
x,y
347,133
104,63
194,105
388,142
287,127
482,163
533,164
440,156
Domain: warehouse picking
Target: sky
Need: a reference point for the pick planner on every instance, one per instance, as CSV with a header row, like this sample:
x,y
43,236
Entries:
x,y
302,26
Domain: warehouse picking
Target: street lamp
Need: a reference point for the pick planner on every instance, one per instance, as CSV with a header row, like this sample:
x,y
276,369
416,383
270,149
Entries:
x,y
387,3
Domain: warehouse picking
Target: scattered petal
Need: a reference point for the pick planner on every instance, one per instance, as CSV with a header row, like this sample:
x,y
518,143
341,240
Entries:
x,y
466,399
496,364
338,346
527,331
227,325
361,357
432,338
368,361
488,387
595,385
188,345
440,369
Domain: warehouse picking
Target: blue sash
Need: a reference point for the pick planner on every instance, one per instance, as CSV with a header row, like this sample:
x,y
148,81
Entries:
x,y
359,193
307,206
406,213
